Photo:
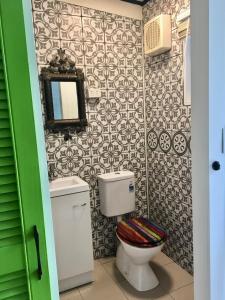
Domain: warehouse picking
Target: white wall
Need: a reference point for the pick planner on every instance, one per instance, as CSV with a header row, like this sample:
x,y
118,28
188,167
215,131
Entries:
x,y
111,6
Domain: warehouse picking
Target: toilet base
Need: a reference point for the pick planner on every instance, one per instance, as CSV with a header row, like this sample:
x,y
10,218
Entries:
x,y
140,276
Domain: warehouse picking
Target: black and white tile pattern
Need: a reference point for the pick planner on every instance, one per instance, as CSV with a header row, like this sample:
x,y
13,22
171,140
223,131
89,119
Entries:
x,y
109,49
168,140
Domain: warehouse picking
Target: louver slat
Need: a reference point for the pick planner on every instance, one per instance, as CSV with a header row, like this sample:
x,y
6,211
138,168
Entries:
x,y
6,170
6,152
7,179
4,207
9,215
3,104
5,133
4,114
13,286
13,293
5,142
8,188
2,85
7,224
9,197
6,162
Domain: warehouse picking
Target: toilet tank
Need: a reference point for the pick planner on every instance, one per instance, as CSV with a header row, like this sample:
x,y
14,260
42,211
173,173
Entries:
x,y
117,193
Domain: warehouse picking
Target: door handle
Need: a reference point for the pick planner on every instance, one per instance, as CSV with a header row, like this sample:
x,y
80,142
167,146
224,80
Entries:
x,y
216,165
37,245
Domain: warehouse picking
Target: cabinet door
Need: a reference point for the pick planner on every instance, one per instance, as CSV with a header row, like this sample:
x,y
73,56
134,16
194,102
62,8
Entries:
x,y
22,187
73,239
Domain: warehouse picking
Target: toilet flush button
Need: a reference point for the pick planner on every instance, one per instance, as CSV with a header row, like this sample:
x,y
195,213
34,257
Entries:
x,y
131,187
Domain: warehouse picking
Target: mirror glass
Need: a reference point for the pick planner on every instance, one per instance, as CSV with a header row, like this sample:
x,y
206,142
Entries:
x,y
65,100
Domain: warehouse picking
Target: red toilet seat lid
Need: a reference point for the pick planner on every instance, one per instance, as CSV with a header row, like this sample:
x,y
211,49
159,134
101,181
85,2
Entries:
x,y
140,232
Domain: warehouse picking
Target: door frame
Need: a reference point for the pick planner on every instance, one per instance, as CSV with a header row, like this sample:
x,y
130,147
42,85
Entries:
x,y
208,107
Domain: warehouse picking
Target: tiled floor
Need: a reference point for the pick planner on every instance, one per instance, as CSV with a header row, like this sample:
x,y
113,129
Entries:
x,y
175,283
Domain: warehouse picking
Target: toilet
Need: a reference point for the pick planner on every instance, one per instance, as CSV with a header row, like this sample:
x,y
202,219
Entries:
x,y
139,239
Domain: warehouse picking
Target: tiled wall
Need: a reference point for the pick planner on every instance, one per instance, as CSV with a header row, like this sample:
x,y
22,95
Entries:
x,y
168,123
109,50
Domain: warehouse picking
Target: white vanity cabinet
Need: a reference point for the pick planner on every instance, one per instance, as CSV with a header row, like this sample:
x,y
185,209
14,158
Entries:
x,y
72,231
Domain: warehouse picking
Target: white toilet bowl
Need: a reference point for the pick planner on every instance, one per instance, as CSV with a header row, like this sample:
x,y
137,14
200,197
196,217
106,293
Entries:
x,y
117,198
133,263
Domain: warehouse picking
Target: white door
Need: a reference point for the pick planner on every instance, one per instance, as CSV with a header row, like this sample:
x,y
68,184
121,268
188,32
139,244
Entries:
x,y
208,124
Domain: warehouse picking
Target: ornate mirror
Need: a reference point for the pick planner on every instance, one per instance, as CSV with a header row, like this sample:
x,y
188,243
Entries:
x,y
63,89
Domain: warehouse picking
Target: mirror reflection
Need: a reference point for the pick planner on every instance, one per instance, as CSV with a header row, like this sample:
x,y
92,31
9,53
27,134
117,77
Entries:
x,y
65,100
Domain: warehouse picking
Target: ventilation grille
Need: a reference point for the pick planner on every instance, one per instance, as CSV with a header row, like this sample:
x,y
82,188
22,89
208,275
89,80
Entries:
x,y
153,35
157,35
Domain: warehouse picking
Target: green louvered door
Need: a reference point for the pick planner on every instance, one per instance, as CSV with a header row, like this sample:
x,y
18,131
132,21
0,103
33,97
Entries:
x,y
13,279
24,195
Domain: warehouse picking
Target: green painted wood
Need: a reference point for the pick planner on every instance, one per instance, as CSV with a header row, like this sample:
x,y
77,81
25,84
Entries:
x,y
12,256
21,177
7,224
7,170
11,260
12,196
7,285
12,276
9,161
7,188
6,152
4,133
9,206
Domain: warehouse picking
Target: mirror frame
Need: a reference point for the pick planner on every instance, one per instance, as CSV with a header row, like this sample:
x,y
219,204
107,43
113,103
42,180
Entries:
x,y
61,68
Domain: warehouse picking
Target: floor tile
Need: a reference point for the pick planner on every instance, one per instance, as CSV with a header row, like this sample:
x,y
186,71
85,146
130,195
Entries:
x,y
185,293
132,294
71,295
109,284
162,259
104,288
171,276
106,260
113,272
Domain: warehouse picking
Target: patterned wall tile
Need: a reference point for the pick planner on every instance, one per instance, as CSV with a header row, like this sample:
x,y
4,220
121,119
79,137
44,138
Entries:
x,y
93,29
68,9
46,25
92,13
45,48
108,48
45,5
168,140
94,54
75,50
70,28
